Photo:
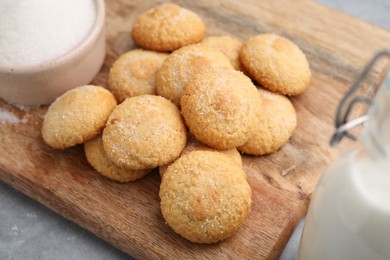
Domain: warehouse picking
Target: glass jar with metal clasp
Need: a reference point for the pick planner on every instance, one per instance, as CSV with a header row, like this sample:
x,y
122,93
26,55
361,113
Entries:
x,y
349,215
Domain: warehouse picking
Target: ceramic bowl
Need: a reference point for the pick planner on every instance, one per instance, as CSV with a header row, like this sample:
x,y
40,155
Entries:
x,y
41,83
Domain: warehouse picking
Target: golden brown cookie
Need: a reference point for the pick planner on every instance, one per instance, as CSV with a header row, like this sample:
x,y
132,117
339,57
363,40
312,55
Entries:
x,y
167,27
204,197
144,132
98,159
184,64
229,46
219,107
77,116
276,63
277,122
195,145
134,74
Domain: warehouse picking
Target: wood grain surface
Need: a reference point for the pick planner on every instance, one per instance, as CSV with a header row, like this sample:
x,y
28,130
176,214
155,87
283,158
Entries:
x,y
128,215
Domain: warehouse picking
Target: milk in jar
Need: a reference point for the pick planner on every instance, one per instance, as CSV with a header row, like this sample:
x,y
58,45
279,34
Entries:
x,y
349,216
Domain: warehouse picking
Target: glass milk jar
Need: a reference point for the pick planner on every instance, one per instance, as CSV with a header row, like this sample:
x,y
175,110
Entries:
x,y
349,216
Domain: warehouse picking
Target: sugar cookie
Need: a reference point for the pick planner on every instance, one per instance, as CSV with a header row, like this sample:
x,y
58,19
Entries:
x,y
184,64
276,63
167,27
194,145
219,107
77,116
144,132
204,197
229,46
134,73
277,122
98,159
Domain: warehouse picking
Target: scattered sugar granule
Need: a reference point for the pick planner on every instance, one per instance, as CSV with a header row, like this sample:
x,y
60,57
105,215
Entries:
x,y
7,117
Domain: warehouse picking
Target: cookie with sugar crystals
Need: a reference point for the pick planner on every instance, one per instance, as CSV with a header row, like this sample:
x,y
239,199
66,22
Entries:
x,y
134,73
167,27
77,116
144,132
219,107
277,122
276,63
182,65
194,145
229,46
97,157
204,197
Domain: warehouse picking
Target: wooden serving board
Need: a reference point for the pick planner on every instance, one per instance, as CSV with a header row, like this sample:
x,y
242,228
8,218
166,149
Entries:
x,y
128,215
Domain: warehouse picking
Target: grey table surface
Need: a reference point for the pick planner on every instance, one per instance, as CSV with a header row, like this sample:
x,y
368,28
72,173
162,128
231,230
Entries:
x,y
29,230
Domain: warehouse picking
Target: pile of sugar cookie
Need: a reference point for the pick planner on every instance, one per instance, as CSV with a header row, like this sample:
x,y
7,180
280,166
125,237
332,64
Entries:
x,y
187,105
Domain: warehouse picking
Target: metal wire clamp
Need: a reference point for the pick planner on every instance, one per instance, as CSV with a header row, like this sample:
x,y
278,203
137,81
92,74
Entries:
x,y
348,102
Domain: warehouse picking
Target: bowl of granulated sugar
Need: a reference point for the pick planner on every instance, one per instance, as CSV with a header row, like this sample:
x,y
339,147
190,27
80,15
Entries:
x,y
48,47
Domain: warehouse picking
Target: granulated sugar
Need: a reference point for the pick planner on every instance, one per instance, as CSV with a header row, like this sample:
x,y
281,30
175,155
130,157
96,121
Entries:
x,y
7,117
33,31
